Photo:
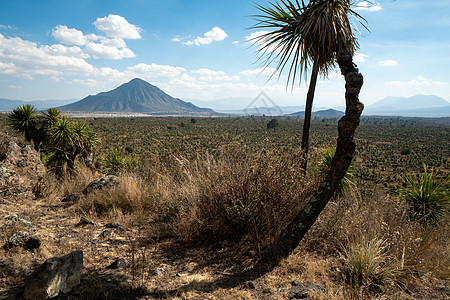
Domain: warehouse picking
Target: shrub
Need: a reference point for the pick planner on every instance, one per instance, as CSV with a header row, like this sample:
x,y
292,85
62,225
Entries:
x,y
405,151
274,123
236,196
325,164
117,161
426,195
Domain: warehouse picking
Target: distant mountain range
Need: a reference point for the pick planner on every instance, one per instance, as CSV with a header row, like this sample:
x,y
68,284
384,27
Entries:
x,y
417,106
8,105
321,113
136,96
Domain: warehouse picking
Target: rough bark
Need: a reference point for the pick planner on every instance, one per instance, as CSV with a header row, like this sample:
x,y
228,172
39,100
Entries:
x,y
308,109
291,236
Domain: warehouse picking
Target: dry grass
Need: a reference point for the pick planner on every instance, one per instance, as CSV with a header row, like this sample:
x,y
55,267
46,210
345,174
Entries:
x,y
229,196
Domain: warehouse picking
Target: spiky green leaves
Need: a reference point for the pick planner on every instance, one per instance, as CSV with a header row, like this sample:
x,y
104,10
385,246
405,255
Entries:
x,y
61,133
117,160
301,33
325,165
24,119
63,138
427,196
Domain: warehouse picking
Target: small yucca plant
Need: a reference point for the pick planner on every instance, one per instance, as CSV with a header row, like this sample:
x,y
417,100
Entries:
x,y
368,263
117,160
325,164
427,196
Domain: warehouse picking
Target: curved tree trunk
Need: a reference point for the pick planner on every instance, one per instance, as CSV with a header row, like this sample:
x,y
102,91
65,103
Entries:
x,y
291,236
308,109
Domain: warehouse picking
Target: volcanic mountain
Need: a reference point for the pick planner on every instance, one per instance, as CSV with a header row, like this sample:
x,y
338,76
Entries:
x,y
136,96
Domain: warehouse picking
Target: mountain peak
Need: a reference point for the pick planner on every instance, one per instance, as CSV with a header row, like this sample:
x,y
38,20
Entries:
x,y
136,96
137,81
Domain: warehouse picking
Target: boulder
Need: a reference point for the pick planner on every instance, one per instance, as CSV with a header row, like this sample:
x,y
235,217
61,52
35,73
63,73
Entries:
x,y
20,170
84,221
117,264
101,183
56,275
72,198
23,239
305,290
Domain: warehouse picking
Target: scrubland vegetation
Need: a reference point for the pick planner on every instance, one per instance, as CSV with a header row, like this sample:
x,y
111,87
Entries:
x,y
221,189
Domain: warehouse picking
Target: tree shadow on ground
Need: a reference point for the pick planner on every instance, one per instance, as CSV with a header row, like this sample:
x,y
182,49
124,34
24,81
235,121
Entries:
x,y
224,281
95,284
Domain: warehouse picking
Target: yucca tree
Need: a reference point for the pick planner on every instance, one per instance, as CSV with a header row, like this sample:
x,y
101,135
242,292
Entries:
x,y
63,139
67,140
304,34
51,116
25,119
317,32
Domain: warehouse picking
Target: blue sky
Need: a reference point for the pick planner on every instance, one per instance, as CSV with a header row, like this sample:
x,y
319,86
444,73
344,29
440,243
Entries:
x,y
199,50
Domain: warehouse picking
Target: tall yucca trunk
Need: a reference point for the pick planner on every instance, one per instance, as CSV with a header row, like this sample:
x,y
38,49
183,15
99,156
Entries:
x,y
308,109
291,236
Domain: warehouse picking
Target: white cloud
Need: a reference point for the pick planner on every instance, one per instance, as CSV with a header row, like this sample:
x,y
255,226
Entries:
x,y
214,35
30,59
260,71
26,59
86,82
235,42
368,6
117,27
154,70
359,57
62,50
14,86
210,75
219,78
188,89
256,38
111,46
419,81
108,52
7,68
8,27
71,36
207,72
388,63
115,42
176,39
55,78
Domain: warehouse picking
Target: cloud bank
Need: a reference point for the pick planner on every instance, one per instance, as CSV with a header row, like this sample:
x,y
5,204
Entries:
x,y
214,35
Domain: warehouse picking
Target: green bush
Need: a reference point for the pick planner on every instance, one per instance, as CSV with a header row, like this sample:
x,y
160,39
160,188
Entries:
x,y
274,123
116,161
325,164
427,196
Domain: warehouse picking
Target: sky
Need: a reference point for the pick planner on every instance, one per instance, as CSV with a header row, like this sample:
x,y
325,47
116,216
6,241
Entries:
x,y
199,51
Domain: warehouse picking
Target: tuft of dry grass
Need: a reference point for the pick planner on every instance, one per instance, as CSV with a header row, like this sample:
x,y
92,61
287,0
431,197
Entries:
x,y
368,263
130,197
